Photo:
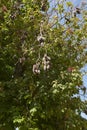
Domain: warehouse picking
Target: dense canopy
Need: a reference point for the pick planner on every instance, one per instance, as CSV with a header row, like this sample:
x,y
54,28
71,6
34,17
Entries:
x,y
42,49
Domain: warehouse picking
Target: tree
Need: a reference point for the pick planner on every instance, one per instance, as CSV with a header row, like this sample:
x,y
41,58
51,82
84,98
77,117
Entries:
x,y
41,53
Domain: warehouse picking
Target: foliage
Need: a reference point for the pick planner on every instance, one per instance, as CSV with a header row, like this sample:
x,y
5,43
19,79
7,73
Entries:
x,y
42,50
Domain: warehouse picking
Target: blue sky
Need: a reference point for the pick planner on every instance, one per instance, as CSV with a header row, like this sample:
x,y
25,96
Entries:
x,y
85,84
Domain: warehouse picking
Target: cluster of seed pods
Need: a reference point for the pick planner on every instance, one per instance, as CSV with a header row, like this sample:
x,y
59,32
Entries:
x,y
45,60
45,64
36,68
41,40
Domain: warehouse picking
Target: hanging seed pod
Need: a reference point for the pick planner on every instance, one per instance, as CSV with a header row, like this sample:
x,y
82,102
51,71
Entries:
x,y
47,58
48,67
41,39
46,62
13,16
36,68
44,67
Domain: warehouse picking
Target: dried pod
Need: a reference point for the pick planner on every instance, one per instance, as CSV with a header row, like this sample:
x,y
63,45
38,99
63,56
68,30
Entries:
x,y
48,67
47,58
36,68
41,39
43,60
42,43
13,16
45,67
46,62
38,71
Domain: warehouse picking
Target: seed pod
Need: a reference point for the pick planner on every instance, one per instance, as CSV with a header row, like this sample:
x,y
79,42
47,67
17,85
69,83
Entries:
x,y
46,62
36,68
41,39
48,67
13,16
38,71
47,58
45,67
42,43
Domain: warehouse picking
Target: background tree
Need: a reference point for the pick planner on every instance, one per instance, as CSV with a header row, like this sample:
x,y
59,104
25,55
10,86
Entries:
x,y
42,50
